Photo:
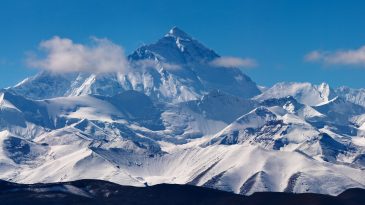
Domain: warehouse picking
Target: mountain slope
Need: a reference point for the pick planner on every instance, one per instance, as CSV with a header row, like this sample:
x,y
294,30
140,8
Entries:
x,y
102,192
109,138
176,68
356,96
176,118
305,93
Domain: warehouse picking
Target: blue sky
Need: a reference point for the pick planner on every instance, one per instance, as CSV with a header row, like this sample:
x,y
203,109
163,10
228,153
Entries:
x,y
277,34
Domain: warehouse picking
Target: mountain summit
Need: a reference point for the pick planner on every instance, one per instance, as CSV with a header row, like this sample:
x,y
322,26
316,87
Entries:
x,y
178,33
176,47
175,69
175,118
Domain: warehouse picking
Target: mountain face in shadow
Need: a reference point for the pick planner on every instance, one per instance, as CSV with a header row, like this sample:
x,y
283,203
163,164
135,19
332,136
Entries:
x,y
103,192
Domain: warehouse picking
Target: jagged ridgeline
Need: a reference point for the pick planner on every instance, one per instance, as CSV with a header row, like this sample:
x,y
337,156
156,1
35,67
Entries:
x,y
174,117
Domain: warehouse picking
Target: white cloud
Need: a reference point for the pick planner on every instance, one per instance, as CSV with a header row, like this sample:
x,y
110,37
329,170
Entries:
x,y
148,63
233,62
355,57
170,66
143,64
63,55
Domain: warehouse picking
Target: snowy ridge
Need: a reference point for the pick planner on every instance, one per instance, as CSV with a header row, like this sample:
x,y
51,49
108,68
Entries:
x,y
175,68
176,119
305,93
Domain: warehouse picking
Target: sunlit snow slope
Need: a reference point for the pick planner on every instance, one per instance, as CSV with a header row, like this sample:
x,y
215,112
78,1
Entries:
x,y
175,118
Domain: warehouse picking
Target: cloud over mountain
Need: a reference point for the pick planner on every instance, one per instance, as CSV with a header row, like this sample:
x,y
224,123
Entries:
x,y
232,62
354,57
63,55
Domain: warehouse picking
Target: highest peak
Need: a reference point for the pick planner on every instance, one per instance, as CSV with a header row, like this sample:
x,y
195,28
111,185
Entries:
x,y
176,47
178,33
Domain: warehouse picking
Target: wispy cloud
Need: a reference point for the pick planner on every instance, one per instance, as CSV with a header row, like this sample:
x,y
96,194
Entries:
x,y
63,55
233,62
149,63
355,57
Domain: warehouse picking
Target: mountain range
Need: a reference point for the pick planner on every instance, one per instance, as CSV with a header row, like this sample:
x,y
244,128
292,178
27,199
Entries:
x,y
175,117
103,192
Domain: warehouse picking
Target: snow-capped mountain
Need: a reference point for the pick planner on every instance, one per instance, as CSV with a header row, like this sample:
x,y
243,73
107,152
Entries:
x,y
311,94
356,96
305,93
175,118
176,68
